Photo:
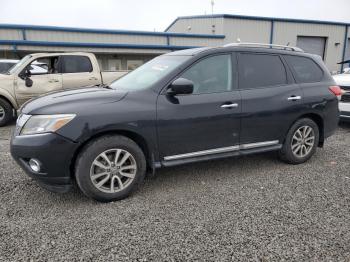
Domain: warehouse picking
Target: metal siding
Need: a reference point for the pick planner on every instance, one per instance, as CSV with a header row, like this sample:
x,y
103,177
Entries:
x,y
58,36
195,41
247,30
10,34
347,52
198,26
286,32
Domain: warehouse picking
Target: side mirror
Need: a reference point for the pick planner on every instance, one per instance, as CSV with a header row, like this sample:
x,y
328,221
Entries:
x,y
28,82
180,86
25,74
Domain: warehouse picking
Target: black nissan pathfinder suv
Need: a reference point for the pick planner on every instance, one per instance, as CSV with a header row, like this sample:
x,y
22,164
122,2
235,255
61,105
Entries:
x,y
186,106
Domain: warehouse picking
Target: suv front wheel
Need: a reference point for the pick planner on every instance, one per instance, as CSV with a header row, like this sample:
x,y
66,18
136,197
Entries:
x,y
301,142
110,168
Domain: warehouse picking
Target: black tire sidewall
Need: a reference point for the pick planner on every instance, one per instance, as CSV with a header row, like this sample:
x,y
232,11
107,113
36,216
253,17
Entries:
x,y
8,112
96,147
286,153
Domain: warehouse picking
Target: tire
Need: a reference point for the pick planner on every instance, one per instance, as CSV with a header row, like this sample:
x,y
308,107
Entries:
x,y
6,112
294,139
112,186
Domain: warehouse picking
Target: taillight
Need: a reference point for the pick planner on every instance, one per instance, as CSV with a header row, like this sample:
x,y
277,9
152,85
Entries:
x,y
337,91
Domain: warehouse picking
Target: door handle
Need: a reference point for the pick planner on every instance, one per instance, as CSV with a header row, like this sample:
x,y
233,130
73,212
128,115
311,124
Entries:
x,y
93,78
294,98
53,81
232,105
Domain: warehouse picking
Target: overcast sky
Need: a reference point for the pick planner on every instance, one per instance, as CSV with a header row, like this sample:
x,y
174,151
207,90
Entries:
x,y
158,14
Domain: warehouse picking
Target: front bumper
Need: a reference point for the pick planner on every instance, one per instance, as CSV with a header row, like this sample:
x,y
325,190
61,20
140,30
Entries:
x,y
344,109
54,153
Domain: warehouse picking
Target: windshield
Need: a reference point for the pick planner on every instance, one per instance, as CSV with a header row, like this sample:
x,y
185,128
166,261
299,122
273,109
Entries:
x,y
19,64
149,73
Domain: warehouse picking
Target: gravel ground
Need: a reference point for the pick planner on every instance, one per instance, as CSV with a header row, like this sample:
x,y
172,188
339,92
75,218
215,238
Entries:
x,y
249,208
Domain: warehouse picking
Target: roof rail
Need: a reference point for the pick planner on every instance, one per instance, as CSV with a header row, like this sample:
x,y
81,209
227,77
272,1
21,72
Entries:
x,y
283,47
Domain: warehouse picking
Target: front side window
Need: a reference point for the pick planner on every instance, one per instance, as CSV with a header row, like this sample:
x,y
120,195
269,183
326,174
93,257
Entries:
x,y
305,69
260,70
76,64
211,75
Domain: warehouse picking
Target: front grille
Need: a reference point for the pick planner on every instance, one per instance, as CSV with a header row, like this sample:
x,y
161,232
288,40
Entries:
x,y
345,98
346,88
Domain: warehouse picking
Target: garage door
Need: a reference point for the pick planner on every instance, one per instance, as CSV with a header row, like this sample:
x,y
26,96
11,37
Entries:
x,y
313,45
347,52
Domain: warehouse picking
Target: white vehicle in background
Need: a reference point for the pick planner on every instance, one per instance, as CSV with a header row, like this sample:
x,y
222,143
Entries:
x,y
343,80
38,74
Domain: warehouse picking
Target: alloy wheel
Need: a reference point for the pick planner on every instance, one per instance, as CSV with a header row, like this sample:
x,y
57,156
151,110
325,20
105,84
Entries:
x,y
303,141
113,170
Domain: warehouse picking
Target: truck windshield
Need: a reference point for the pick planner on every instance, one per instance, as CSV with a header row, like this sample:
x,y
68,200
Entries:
x,y
149,73
24,60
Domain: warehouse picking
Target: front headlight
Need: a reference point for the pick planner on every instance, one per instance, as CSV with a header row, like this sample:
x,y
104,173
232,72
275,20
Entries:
x,y
38,124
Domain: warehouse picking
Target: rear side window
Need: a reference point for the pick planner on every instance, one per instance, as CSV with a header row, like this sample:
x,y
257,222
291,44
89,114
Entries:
x,y
76,64
305,69
260,70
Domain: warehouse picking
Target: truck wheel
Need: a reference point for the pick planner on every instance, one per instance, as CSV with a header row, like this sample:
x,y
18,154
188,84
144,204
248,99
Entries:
x,y
110,168
6,112
301,142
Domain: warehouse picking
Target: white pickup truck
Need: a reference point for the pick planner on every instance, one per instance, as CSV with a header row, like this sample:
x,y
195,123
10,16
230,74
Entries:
x,y
60,71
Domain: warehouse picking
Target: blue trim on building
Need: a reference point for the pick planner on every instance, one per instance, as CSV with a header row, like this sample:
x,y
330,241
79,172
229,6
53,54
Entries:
x,y
261,18
96,45
346,36
105,31
24,37
272,30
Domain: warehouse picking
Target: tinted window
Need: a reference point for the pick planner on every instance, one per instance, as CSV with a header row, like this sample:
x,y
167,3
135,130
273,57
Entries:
x,y
76,64
258,70
211,75
306,70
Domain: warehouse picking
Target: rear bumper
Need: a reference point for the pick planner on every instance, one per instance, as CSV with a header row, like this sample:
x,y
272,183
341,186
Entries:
x,y
344,109
53,152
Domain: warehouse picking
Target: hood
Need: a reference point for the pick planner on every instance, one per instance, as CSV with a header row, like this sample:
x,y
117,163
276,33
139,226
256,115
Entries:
x,y
342,79
72,101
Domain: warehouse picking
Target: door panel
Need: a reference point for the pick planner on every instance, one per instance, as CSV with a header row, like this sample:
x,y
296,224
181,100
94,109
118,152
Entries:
x,y
271,100
75,80
41,84
267,113
193,123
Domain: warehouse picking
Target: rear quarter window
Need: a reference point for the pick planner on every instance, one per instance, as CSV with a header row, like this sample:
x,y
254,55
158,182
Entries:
x,y
305,69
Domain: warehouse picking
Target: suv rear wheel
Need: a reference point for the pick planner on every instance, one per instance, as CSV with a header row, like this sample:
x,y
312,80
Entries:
x,y
6,112
301,142
110,168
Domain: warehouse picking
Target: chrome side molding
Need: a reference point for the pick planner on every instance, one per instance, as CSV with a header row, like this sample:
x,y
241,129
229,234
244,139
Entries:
x,y
222,150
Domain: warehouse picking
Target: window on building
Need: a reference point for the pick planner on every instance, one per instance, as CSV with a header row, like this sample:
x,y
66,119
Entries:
x,y
211,75
260,70
306,70
76,64
312,44
133,64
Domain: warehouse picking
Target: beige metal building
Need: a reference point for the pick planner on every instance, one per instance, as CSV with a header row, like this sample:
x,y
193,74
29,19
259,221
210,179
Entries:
x,y
122,49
